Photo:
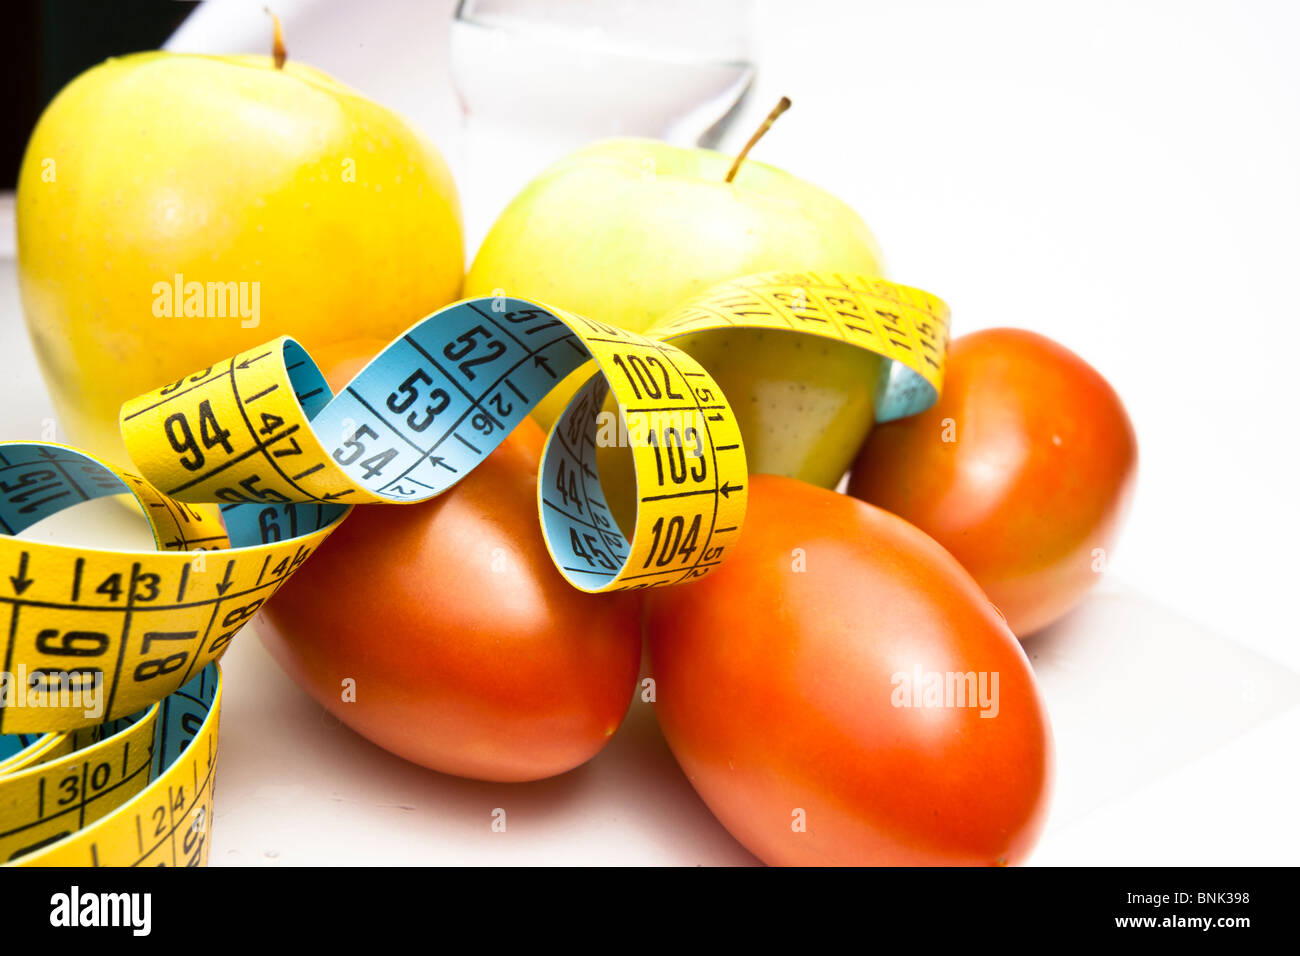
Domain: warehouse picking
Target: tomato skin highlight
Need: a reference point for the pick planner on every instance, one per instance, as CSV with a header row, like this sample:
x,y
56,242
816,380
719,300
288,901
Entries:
x,y
470,652
775,688
1024,470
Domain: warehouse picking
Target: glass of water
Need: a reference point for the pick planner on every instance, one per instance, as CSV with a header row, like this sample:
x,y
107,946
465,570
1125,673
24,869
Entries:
x,y
536,80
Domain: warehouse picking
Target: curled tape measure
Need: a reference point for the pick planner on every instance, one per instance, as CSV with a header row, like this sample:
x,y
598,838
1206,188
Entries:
x,y
109,718
261,431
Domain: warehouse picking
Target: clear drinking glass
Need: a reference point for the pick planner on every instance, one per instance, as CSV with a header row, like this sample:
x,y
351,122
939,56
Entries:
x,y
538,78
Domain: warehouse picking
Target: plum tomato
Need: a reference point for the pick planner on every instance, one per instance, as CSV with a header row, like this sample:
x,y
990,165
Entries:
x,y
840,691
465,649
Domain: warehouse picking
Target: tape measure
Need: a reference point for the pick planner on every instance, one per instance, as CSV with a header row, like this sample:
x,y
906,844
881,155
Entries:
x,y
109,692
109,721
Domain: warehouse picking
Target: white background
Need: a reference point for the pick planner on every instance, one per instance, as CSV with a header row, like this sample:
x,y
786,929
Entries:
x,y
1121,176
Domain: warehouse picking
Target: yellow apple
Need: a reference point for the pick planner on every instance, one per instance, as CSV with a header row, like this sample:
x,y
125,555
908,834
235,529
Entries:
x,y
625,230
175,209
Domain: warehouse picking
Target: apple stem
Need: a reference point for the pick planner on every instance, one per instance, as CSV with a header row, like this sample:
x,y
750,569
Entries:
x,y
781,107
278,53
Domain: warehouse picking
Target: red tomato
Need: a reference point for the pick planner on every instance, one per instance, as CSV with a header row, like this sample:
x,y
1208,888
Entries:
x,y
781,681
1023,470
470,653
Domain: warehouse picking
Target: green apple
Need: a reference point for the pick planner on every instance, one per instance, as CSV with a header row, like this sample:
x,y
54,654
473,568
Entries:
x,y
624,231
176,209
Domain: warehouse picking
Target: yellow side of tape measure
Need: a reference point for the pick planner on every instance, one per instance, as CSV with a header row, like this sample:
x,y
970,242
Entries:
x,y
905,325
111,693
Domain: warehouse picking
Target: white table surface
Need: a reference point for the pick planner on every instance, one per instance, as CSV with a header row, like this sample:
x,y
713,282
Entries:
x,y
1121,177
